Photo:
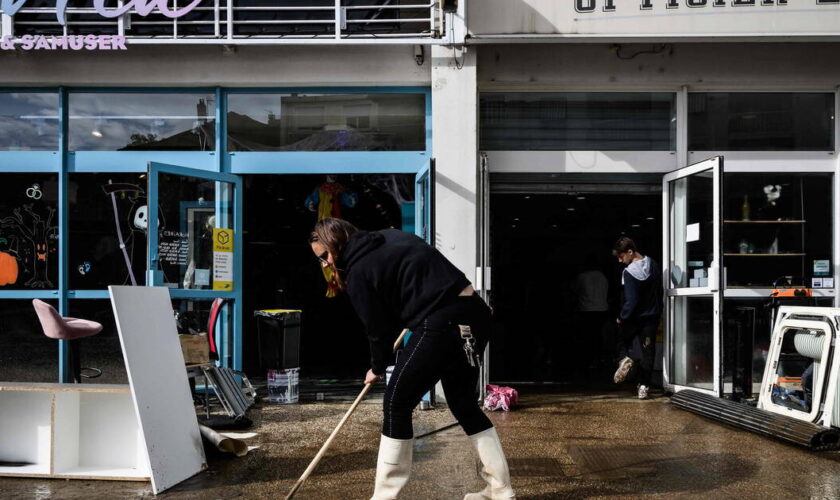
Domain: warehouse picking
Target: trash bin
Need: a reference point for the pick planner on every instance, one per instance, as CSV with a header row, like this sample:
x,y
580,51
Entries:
x,y
278,345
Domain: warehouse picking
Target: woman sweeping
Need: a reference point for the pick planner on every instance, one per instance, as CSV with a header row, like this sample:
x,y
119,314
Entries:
x,y
396,280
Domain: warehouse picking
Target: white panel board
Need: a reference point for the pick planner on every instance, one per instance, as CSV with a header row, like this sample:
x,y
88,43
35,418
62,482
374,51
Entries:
x,y
159,385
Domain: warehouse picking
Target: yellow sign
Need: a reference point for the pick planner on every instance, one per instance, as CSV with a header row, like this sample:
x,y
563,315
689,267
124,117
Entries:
x,y
222,259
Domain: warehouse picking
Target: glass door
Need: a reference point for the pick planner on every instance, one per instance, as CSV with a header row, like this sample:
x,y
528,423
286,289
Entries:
x,y
483,281
424,185
195,249
693,276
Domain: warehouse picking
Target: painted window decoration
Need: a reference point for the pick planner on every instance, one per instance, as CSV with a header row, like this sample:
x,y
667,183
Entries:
x,y
577,121
326,122
142,121
28,121
747,121
28,231
108,224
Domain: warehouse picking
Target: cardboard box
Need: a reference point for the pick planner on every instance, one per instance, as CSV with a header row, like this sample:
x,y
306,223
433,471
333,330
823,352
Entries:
x,y
196,348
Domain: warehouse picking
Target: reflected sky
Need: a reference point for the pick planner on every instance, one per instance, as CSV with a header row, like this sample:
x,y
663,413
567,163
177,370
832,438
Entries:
x,y
28,121
118,121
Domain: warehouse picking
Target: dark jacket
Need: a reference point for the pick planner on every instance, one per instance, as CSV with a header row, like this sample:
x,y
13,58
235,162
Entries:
x,y
394,280
642,297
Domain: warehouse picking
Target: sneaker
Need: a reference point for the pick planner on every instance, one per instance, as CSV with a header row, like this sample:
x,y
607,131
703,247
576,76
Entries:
x,y
624,367
643,391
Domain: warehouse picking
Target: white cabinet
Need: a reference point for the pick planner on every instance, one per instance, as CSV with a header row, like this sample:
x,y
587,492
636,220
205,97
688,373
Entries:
x,y
70,431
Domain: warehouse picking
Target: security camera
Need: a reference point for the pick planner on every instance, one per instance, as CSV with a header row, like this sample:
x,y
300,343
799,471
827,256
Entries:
x,y
419,55
449,5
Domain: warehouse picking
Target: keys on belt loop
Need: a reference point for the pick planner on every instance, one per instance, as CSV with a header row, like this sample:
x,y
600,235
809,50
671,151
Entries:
x,y
469,345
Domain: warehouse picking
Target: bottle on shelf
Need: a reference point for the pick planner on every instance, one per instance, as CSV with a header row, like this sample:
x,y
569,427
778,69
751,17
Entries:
x,y
745,208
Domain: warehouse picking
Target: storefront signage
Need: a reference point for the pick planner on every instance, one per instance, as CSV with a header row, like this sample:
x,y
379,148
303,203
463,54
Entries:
x,y
584,6
222,259
686,18
140,7
72,42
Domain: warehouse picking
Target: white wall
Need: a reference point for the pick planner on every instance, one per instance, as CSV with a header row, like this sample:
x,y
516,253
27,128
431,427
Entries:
x,y
211,66
455,147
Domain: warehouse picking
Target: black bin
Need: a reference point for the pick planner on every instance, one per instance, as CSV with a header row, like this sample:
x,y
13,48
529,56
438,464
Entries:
x,y
278,338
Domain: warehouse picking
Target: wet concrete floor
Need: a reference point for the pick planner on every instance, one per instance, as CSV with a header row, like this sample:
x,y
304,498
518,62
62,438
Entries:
x,y
560,444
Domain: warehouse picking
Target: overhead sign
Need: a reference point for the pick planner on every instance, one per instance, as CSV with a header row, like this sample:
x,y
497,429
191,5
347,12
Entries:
x,y
140,7
656,17
70,42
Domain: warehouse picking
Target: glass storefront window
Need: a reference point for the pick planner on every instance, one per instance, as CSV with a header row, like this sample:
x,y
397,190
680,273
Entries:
x,y
761,121
142,122
28,231
777,228
189,209
577,121
28,121
326,122
99,204
100,353
26,354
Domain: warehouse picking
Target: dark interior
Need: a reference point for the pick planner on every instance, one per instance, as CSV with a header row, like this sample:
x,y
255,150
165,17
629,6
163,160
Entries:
x,y
540,242
280,271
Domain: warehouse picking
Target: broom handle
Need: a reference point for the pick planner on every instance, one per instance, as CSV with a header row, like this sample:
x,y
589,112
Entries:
x,y
330,439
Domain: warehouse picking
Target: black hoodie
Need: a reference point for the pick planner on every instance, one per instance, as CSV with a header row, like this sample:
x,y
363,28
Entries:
x,y
394,281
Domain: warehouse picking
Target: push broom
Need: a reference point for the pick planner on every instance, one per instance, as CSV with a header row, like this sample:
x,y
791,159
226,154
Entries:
x,y
329,440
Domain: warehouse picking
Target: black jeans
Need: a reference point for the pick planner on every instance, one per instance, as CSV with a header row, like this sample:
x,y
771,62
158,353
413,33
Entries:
x,y
645,329
435,352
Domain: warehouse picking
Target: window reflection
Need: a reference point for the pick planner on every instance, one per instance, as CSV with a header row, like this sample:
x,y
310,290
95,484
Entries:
x,y
342,122
28,231
142,122
578,121
108,230
761,121
28,121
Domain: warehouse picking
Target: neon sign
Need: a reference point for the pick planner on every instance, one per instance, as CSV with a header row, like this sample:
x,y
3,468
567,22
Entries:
x,y
140,7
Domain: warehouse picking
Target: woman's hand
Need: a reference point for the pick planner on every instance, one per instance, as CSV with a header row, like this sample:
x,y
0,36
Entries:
x,y
371,378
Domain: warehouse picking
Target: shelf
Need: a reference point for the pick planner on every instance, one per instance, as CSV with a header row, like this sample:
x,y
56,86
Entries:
x,y
764,222
764,255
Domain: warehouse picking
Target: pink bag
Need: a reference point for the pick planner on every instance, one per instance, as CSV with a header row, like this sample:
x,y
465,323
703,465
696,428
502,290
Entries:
x,y
500,398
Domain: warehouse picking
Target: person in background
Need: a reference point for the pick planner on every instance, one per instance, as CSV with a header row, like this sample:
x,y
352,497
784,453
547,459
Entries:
x,y
395,280
590,288
641,307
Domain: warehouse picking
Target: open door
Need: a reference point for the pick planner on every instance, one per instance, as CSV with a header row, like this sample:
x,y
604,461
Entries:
x,y
693,277
424,189
483,281
195,251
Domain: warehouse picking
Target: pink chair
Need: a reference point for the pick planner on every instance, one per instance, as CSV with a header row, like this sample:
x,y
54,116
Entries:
x,y
70,329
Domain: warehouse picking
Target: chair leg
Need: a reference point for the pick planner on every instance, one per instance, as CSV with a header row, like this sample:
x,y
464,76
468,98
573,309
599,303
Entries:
x,y
75,361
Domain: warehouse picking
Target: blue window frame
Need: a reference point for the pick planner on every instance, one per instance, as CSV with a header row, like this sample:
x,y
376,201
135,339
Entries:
x,y
63,160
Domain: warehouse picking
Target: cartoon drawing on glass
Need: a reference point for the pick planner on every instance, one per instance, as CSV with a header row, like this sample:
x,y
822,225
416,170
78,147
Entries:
x,y
37,231
134,226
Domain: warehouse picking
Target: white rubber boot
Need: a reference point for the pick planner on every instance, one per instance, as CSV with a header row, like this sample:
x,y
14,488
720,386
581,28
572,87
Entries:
x,y
494,467
392,467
